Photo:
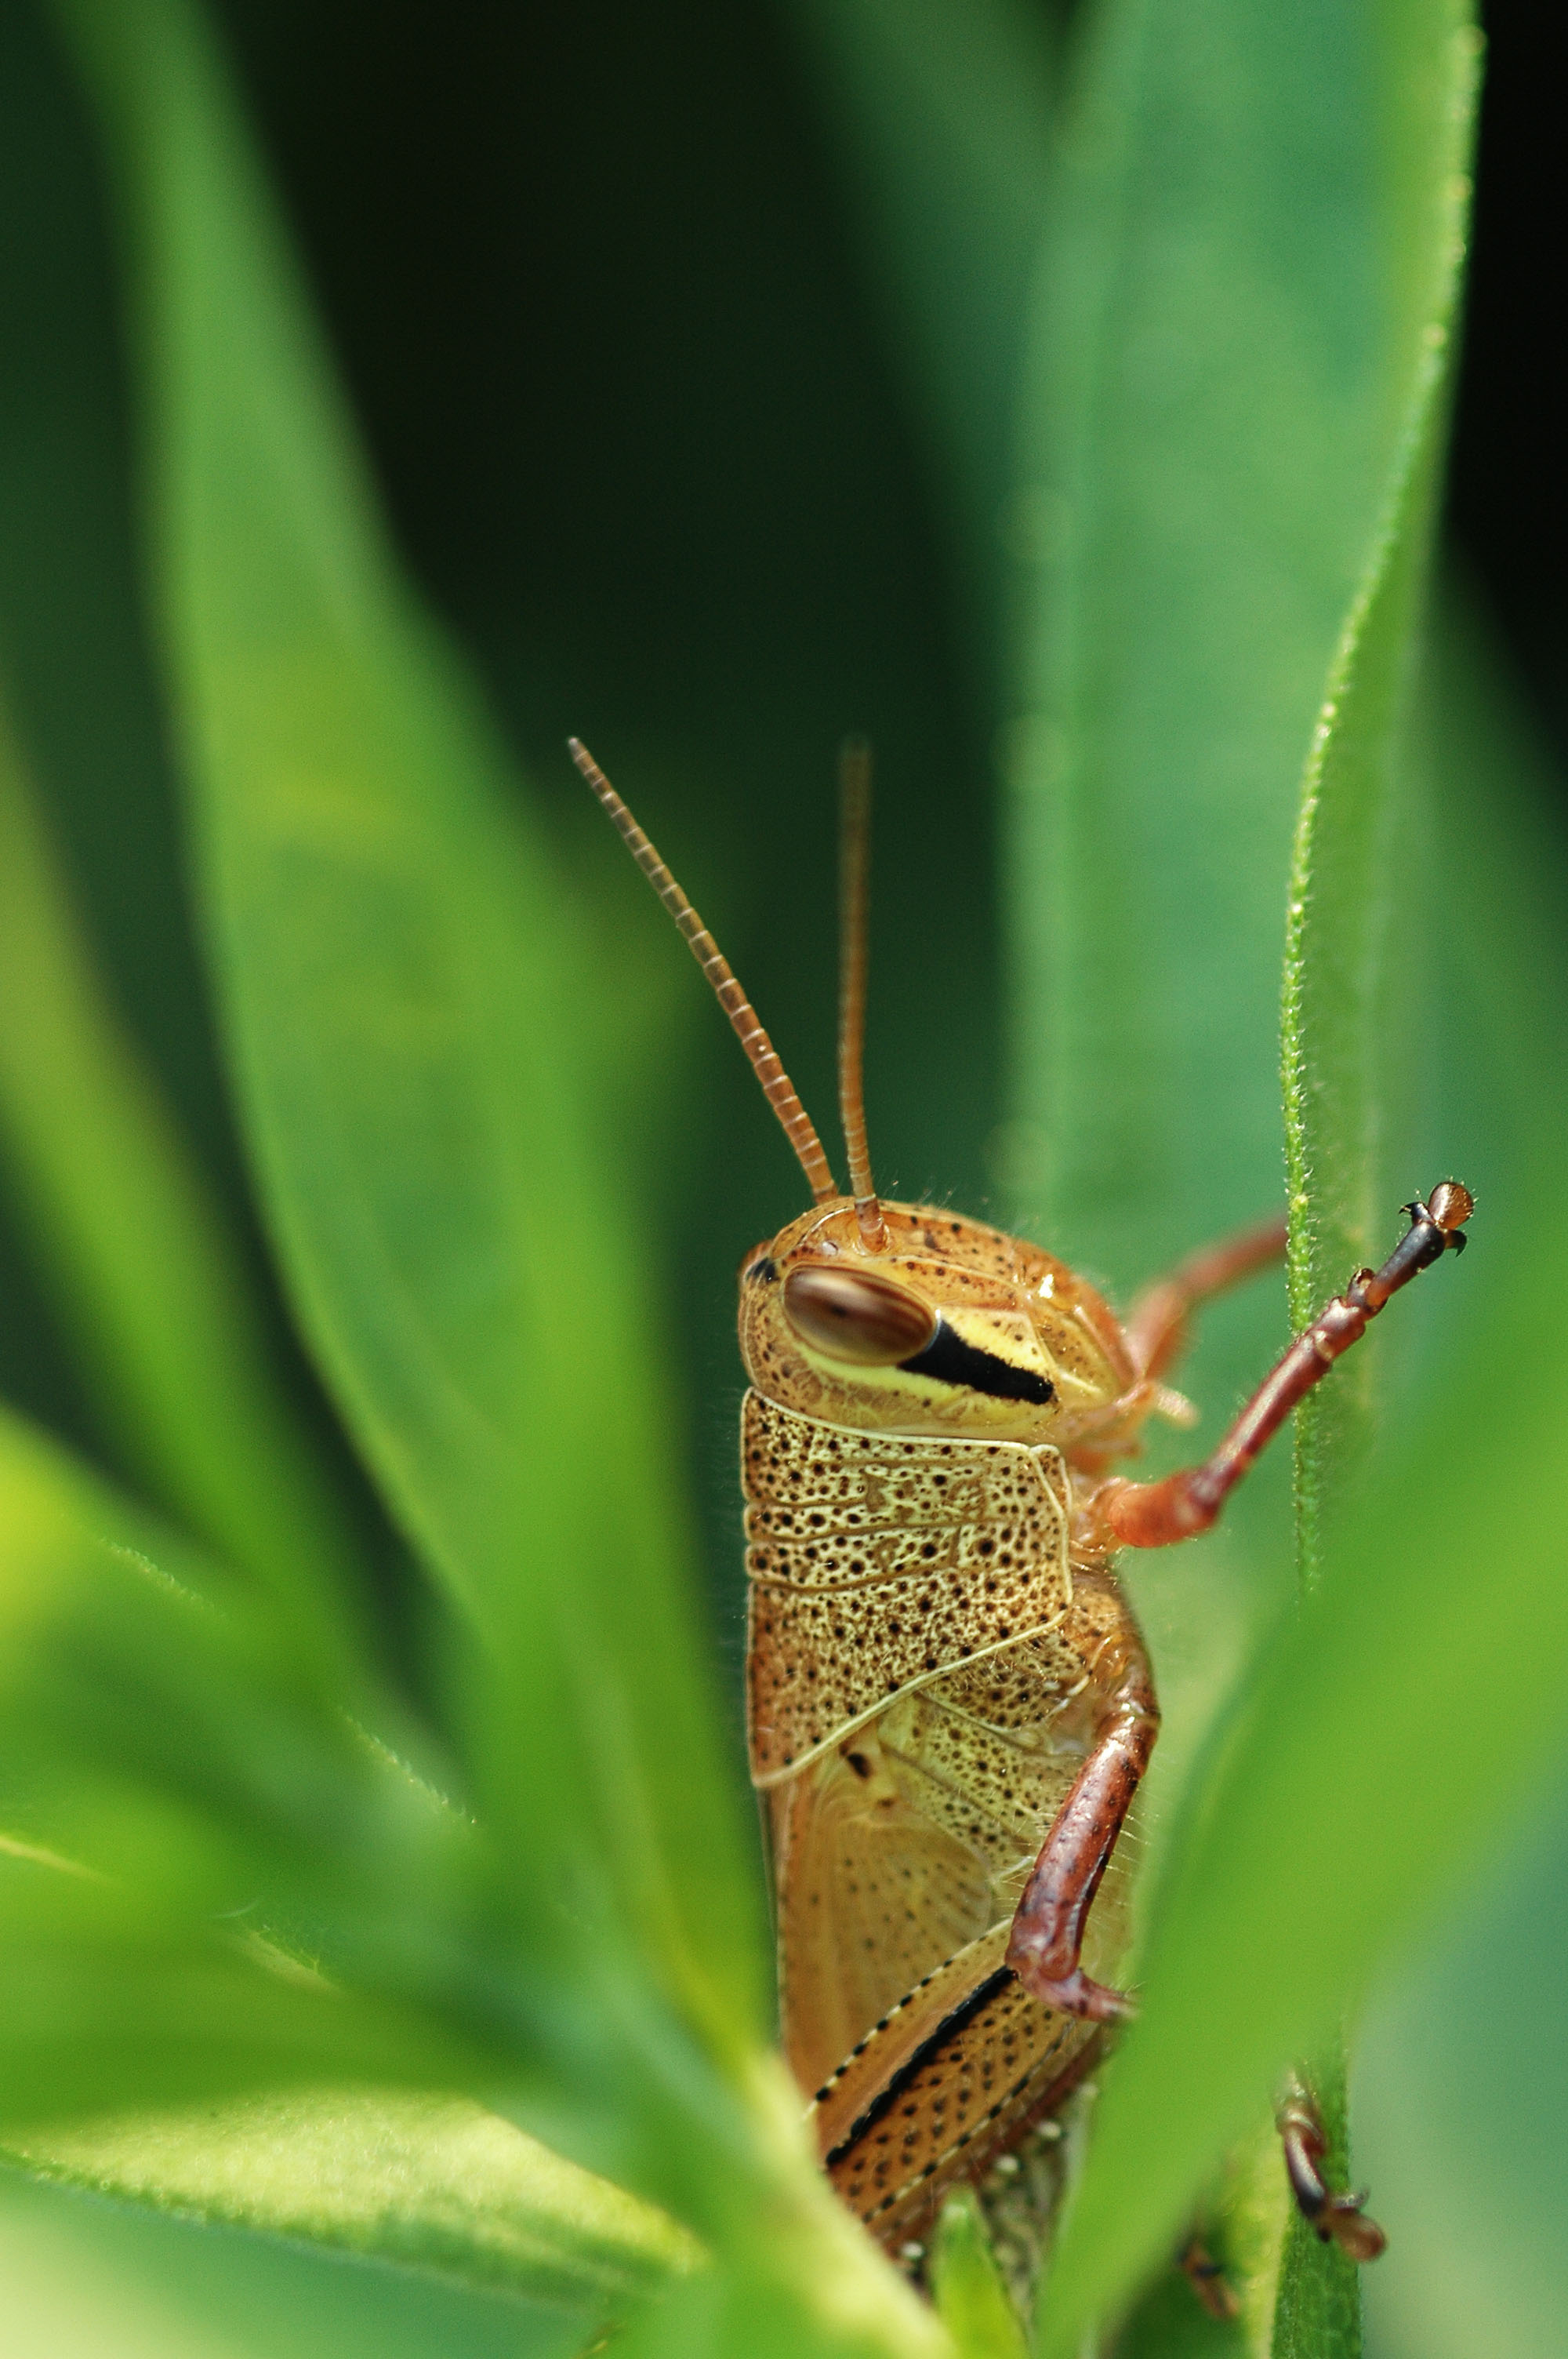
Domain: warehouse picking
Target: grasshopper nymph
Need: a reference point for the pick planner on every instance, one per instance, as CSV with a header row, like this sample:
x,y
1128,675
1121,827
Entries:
x,y
949,1702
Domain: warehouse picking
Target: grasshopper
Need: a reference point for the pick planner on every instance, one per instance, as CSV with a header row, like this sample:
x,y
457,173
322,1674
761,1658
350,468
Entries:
x,y
949,1702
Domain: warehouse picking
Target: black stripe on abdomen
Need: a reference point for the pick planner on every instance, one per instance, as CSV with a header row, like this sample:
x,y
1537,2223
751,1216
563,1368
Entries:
x,y
888,2095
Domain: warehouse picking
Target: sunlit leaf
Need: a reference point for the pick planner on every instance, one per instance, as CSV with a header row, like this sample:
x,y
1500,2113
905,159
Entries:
x,y
111,2001
90,2277
429,2183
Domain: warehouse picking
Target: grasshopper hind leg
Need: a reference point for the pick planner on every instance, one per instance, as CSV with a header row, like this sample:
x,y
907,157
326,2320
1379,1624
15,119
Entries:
x,y
1046,1943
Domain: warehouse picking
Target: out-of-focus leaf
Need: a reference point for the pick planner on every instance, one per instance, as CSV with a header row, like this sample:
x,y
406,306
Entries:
x,y
210,1883
973,2300
1239,2226
150,1285
113,2001
942,112
172,1782
430,2183
1458,2135
1457,2149
400,990
88,2277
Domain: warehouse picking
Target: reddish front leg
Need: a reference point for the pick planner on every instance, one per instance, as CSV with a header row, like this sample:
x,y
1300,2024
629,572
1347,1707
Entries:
x,y
1152,1515
1048,1929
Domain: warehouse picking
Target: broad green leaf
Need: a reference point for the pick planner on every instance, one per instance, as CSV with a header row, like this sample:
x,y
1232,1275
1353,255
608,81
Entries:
x,y
1249,245
424,2182
1347,869
971,2298
941,111
400,988
1220,380
1345,873
148,1282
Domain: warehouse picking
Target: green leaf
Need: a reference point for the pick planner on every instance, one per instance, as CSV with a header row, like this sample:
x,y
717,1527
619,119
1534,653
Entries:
x,y
425,2183
1359,1768
943,124
1249,249
1372,1693
1220,386
1347,868
973,2300
403,992
148,1281
1241,2226
1318,2311
91,2277
183,1814
1344,872
400,983
209,1887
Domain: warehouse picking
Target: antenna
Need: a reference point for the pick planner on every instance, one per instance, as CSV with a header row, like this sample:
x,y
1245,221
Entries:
x,y
777,1087
854,852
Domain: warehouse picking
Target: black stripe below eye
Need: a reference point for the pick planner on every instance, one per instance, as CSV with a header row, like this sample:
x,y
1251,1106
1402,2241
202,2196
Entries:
x,y
953,1362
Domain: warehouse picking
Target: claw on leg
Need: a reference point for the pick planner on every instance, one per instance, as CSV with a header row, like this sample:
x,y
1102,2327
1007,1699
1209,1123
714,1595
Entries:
x,y
1208,2280
1156,1515
1336,2217
1073,1992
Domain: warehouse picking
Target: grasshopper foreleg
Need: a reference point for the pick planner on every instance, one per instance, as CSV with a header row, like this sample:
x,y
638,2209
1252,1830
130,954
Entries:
x,y
1048,1929
1154,1514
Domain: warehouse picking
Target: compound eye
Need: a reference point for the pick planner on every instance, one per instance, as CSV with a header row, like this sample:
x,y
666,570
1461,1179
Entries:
x,y
849,1315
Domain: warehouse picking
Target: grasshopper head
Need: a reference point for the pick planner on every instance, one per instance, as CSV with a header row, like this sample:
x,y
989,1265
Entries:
x,y
898,1317
947,1326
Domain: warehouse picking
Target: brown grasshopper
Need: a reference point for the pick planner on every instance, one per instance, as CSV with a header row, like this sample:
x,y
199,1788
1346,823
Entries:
x,y
949,1702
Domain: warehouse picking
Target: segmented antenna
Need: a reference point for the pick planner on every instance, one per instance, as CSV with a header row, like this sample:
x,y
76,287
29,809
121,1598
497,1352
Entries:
x,y
777,1087
854,850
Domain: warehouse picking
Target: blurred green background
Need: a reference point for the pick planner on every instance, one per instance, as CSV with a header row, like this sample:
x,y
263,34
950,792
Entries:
x,y
598,281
